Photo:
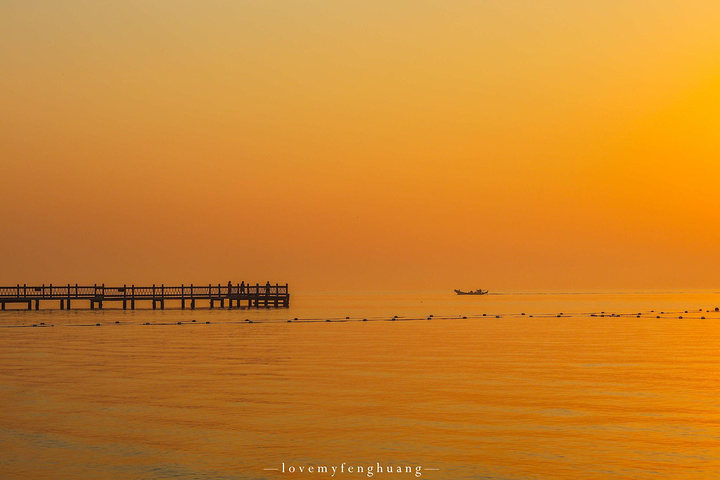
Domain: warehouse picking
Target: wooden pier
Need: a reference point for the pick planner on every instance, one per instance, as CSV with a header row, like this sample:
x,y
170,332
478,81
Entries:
x,y
238,295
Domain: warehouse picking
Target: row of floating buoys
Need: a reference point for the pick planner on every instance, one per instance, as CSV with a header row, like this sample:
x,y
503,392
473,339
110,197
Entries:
x,y
430,317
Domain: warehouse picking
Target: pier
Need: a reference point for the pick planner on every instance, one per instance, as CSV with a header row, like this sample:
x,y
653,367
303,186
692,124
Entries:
x,y
234,296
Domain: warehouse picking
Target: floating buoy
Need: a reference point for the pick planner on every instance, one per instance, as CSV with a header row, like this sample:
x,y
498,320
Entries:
x,y
194,320
327,320
702,318
97,324
207,323
497,316
179,323
658,316
484,314
117,322
522,313
364,319
289,321
531,316
464,317
347,318
680,317
295,318
250,321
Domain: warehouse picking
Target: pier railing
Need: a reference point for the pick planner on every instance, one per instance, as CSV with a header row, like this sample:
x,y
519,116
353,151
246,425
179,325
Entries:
x,y
253,295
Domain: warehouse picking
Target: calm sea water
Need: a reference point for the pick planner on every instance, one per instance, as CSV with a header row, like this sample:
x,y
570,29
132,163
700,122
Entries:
x,y
595,393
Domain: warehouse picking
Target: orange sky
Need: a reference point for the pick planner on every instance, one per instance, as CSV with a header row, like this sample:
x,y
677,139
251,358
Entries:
x,y
362,145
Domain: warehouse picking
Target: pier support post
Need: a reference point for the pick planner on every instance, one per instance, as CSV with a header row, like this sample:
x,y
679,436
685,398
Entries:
x,y
212,303
124,304
154,304
182,304
229,296
92,305
162,304
68,303
192,304
132,304
37,304
29,304
62,304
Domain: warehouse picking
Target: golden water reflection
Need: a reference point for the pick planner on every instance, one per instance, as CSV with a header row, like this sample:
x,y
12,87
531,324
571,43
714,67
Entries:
x,y
514,397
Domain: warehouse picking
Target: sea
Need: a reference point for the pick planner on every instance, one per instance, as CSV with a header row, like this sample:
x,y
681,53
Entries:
x,y
512,386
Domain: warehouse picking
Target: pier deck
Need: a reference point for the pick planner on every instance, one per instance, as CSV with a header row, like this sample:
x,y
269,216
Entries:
x,y
237,295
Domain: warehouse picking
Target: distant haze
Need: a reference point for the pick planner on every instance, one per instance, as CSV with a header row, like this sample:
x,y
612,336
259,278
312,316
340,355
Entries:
x,y
361,145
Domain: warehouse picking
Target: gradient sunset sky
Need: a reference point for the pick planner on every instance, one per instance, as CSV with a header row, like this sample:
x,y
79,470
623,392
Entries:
x,y
361,145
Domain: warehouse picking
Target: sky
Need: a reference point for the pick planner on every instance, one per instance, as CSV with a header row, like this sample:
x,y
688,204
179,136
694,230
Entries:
x,y
361,145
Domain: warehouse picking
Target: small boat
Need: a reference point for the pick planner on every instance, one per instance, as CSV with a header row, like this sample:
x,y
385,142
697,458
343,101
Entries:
x,y
479,291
